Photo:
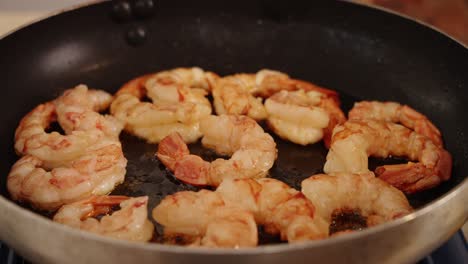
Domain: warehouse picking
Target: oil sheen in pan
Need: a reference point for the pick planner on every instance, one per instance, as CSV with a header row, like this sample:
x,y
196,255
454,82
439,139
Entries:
x,y
146,175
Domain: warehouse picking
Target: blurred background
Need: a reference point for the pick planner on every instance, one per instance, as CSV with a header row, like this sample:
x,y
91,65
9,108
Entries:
x,y
450,16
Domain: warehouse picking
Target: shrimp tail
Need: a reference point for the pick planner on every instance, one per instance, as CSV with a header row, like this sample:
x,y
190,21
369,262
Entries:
x,y
171,149
444,165
415,177
192,170
175,155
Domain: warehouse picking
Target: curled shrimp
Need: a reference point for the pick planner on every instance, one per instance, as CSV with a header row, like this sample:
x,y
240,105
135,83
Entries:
x,y
356,140
177,106
57,169
397,113
83,126
52,148
96,172
279,208
241,94
374,199
233,95
77,110
203,219
130,222
194,78
303,117
253,151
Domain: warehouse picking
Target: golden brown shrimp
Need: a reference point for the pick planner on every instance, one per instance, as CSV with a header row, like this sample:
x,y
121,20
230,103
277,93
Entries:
x,y
397,113
130,222
356,140
233,95
194,77
237,94
202,219
253,151
97,171
77,110
303,117
279,208
373,198
176,106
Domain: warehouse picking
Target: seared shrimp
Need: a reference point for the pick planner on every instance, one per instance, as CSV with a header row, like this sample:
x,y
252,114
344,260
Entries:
x,y
355,140
303,116
193,77
253,151
397,113
233,95
77,110
176,107
279,208
130,222
97,171
237,94
202,219
373,198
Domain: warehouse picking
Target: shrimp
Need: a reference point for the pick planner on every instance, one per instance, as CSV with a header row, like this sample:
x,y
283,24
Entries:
x,y
176,107
54,149
77,109
232,95
128,223
96,172
202,219
194,78
374,199
397,113
241,94
253,151
303,117
355,140
83,126
279,208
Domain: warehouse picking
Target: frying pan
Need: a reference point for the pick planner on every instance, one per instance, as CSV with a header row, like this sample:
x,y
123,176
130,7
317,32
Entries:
x,y
361,52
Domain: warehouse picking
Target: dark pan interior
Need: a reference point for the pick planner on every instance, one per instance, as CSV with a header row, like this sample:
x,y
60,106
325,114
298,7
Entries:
x,y
360,52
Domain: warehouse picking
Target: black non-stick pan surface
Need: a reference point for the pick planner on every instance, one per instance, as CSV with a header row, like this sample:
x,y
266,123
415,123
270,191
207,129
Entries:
x,y
328,43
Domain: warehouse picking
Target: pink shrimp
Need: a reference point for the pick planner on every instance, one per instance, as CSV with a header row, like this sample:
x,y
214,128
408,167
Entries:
x,y
253,151
203,219
355,140
279,208
78,110
236,94
178,104
129,223
303,117
397,113
373,198
97,171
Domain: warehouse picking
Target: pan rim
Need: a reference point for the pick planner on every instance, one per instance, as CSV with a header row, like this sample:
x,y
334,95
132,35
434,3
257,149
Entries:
x,y
263,249
395,13
93,2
